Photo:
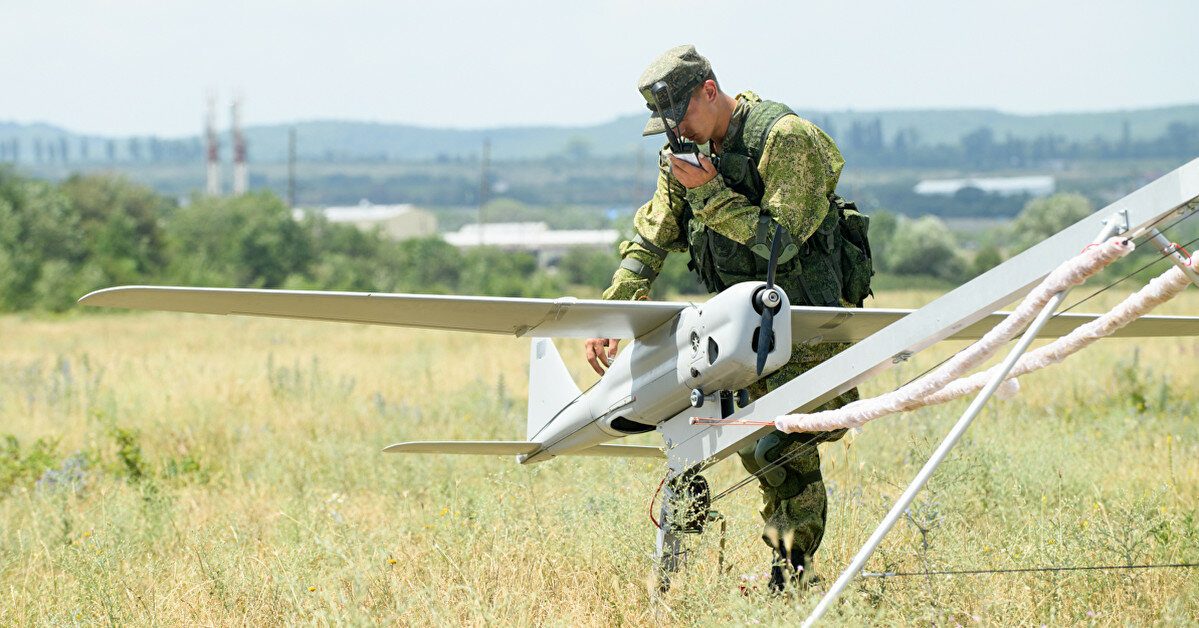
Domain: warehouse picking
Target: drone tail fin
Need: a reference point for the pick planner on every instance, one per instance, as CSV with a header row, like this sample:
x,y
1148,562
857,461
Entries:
x,y
550,386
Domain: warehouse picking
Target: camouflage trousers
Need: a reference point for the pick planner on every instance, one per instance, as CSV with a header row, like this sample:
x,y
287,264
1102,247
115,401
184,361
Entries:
x,y
794,501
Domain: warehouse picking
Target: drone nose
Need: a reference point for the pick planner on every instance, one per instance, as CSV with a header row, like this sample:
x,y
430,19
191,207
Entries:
x,y
770,298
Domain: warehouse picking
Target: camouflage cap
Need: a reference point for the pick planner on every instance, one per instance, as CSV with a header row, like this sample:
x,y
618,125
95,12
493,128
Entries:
x,y
683,69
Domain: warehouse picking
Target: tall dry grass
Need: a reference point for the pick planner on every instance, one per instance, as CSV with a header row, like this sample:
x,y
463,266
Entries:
x,y
185,469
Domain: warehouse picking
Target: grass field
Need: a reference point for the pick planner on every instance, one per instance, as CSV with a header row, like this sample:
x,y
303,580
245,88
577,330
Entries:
x,y
178,469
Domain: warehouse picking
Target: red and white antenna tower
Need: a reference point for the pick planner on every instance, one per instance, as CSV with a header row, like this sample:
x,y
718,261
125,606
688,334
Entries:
x,y
241,178
214,148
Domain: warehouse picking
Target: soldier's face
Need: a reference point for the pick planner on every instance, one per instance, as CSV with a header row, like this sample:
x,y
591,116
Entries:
x,y
699,123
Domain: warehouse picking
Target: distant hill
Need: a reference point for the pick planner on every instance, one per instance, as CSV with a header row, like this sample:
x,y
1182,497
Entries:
x,y
947,126
622,135
343,139
351,141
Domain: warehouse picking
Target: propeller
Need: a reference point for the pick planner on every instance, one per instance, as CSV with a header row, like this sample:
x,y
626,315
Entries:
x,y
768,299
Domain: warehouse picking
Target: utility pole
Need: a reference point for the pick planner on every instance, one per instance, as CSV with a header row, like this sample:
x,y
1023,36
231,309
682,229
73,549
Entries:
x,y
213,187
291,168
483,187
241,178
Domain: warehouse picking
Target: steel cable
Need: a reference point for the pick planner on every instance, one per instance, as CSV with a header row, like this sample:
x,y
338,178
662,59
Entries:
x,y
899,574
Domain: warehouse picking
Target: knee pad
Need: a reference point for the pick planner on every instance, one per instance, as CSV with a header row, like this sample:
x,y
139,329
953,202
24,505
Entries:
x,y
768,450
789,479
748,460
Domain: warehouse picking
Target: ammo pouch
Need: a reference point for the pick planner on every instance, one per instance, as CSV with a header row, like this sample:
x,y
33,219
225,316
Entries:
x,y
721,262
856,260
836,258
818,281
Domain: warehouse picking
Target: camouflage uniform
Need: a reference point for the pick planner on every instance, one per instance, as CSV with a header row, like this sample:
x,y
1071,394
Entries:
x,y
799,168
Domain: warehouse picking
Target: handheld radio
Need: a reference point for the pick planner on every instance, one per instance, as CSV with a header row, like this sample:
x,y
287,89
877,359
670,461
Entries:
x,y
687,151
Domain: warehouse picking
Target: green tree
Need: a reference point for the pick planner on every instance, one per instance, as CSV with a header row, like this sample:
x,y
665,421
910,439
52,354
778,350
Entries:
x,y
39,232
988,257
978,146
676,278
1043,217
883,225
427,265
344,257
121,228
589,267
250,241
490,271
925,247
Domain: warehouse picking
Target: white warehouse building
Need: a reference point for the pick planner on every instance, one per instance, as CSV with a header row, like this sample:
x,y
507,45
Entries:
x,y
396,222
1003,186
534,237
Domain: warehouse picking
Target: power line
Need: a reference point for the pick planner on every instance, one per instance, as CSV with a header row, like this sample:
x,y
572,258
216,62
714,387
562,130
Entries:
x,y
900,574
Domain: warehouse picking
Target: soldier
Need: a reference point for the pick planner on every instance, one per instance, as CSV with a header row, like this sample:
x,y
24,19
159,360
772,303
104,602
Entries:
x,y
761,167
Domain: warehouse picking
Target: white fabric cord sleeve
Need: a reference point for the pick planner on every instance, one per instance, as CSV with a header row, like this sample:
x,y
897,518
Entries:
x,y
909,397
1161,289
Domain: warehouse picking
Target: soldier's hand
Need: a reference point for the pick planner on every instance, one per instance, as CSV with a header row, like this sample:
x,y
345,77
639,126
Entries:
x,y
690,176
601,351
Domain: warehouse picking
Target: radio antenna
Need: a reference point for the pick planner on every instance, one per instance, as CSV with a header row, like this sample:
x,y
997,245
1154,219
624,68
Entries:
x,y
657,91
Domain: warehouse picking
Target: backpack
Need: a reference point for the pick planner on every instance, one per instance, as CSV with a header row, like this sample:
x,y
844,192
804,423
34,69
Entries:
x,y
857,266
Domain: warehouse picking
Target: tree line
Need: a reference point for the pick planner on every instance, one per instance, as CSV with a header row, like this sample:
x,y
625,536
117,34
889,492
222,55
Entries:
x,y
59,241
865,144
98,150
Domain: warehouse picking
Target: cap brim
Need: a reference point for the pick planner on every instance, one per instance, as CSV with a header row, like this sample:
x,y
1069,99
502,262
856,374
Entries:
x,y
674,116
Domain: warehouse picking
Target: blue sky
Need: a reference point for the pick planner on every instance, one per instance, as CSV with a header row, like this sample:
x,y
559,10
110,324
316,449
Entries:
x,y
144,66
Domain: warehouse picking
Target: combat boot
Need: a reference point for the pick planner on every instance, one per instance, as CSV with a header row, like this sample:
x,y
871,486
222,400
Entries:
x,y
789,567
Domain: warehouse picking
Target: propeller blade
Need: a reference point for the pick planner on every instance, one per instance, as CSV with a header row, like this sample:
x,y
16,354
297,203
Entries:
x,y
766,329
765,334
774,257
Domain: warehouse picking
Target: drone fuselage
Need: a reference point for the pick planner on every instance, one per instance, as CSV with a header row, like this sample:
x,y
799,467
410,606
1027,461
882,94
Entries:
x,y
708,347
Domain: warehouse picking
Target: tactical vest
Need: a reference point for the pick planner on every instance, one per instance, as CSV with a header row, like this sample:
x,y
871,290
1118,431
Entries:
x,y
833,264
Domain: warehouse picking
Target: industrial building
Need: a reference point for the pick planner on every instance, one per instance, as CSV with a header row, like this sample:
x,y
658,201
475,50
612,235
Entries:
x,y
533,237
1003,186
396,222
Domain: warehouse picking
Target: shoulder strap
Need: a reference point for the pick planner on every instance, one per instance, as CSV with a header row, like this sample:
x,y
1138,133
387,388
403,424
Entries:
x,y
739,165
758,123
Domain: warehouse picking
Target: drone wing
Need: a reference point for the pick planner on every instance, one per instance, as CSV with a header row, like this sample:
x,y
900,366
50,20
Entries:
x,y
544,318
516,448
548,318
469,447
838,324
